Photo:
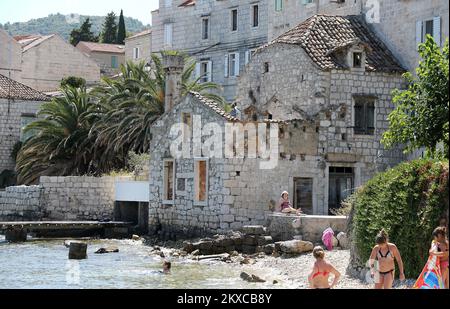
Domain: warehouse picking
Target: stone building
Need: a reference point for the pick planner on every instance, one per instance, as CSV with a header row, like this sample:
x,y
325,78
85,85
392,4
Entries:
x,y
139,47
18,107
46,60
401,24
220,35
322,93
10,56
108,57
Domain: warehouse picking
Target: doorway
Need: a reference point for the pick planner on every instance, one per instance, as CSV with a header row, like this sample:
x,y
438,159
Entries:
x,y
341,181
303,193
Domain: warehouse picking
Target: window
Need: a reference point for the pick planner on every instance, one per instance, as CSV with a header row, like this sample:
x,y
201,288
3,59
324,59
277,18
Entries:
x,y
26,119
169,177
266,67
136,53
232,64
303,193
249,55
205,28
114,63
255,16
234,20
204,71
364,116
201,181
357,60
168,29
181,184
186,118
340,186
278,5
431,27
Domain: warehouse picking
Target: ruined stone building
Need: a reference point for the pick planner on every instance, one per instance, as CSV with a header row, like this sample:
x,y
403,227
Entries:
x,y
19,105
138,47
325,86
220,35
401,24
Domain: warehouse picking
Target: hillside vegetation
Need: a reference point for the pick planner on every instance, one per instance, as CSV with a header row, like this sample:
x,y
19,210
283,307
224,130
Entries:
x,y
63,25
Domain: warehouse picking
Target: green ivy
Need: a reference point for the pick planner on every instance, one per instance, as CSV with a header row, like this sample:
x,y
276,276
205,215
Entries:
x,y
407,201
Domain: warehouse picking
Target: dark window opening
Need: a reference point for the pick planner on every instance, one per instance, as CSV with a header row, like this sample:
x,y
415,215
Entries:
x,y
340,186
255,16
205,28
181,184
303,193
364,116
357,60
266,67
234,20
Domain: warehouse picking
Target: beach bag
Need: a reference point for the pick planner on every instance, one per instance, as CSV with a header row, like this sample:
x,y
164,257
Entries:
x,y
327,238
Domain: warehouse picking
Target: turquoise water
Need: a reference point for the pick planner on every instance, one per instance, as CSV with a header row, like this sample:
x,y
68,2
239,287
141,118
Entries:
x,y
45,264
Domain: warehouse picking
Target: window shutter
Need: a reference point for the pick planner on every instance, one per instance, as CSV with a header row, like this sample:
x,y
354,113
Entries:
x,y
225,68
247,57
437,30
209,70
236,65
197,70
418,33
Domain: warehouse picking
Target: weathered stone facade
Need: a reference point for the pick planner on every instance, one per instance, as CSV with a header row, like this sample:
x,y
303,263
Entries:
x,y
60,198
46,63
186,35
10,56
11,127
139,47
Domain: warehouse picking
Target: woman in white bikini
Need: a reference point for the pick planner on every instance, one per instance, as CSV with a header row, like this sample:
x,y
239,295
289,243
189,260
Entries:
x,y
385,253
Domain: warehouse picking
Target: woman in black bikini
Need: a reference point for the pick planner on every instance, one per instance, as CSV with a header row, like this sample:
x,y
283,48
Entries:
x,y
385,254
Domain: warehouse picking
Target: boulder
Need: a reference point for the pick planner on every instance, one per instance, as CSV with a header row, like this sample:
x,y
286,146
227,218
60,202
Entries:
x,y
343,240
107,250
264,240
250,240
77,250
254,230
269,249
295,246
196,252
135,237
335,242
251,278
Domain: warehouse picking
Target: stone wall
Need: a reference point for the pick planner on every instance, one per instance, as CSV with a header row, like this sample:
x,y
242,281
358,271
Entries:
x,y
44,66
144,43
10,56
11,127
280,227
104,61
60,198
21,203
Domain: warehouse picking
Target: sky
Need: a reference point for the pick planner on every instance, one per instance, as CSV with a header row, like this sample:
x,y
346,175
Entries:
x,y
24,10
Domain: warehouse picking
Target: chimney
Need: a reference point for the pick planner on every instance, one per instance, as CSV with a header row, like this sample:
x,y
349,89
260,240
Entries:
x,y
173,67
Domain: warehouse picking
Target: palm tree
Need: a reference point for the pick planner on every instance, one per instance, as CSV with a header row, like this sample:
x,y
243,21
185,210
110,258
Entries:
x,y
62,144
131,103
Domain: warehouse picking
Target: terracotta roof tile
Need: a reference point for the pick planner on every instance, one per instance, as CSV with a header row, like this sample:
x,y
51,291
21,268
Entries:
x,y
142,33
10,89
187,3
214,106
101,47
322,35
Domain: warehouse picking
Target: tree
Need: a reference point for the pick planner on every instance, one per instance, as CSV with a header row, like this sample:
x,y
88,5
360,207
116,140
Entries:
x,y
135,100
83,33
121,33
109,31
77,82
420,118
61,144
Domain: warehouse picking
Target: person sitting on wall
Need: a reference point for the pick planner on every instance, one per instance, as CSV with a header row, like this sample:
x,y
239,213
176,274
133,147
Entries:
x,y
285,206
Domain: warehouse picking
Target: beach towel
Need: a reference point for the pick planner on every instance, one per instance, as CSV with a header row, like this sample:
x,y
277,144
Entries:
x,y
327,238
430,278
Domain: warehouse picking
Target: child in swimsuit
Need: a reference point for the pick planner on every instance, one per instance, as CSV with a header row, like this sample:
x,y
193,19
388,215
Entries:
x,y
439,248
385,254
318,279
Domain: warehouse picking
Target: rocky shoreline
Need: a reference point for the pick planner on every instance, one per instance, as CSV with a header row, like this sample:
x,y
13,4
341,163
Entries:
x,y
259,267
